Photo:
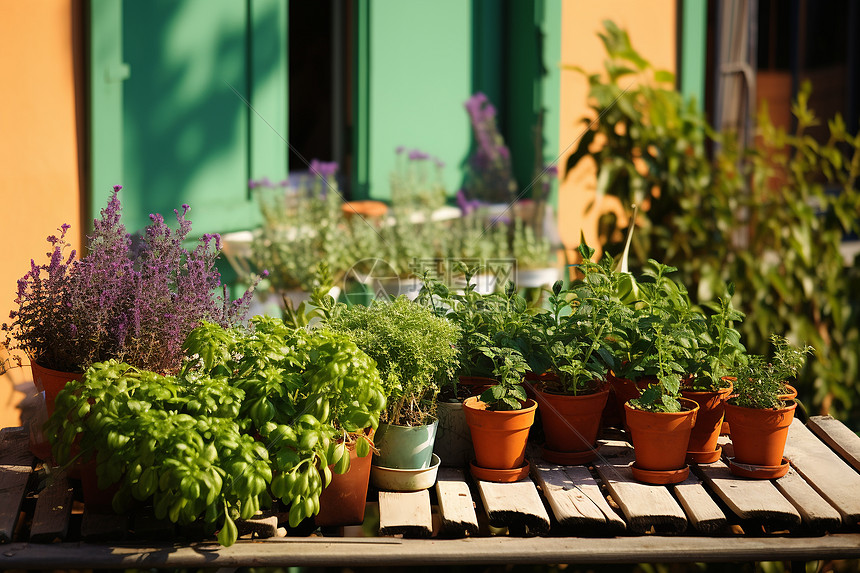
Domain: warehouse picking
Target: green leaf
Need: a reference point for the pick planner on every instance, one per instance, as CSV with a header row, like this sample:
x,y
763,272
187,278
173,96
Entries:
x,y
229,532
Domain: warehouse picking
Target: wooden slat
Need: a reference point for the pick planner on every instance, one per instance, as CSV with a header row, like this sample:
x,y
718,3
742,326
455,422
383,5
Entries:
x,y
816,513
835,480
645,507
53,509
516,506
406,513
838,436
16,465
750,498
456,507
575,498
703,512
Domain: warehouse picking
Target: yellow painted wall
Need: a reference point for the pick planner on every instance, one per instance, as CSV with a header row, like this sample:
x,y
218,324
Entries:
x,y
651,26
39,186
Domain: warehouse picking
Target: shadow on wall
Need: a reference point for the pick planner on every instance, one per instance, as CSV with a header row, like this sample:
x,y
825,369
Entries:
x,y
185,131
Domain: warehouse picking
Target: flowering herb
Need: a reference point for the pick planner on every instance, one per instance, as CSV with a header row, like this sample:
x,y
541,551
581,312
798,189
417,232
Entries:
x,y
416,182
134,300
489,176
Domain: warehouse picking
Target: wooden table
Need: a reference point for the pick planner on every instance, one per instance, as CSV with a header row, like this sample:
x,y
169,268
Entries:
x,y
561,514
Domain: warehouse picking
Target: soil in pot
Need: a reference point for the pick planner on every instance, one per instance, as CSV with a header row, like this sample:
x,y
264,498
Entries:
x,y
571,423
709,420
660,439
344,500
499,438
758,435
405,447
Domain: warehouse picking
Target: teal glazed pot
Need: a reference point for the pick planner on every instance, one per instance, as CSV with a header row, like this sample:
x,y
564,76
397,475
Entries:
x,y
405,447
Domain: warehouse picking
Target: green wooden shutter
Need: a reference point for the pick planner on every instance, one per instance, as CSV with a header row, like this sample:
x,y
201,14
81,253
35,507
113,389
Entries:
x,y
178,129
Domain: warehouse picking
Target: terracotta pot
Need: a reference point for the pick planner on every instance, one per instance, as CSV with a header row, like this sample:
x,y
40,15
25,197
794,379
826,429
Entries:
x,y
52,381
790,393
571,423
758,435
622,390
344,500
709,420
660,439
95,499
499,438
366,208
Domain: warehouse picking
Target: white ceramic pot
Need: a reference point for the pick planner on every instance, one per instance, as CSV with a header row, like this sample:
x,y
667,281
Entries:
x,y
530,278
391,479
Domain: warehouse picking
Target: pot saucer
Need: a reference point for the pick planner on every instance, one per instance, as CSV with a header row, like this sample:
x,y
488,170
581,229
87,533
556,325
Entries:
x,y
500,476
660,477
568,458
704,457
758,472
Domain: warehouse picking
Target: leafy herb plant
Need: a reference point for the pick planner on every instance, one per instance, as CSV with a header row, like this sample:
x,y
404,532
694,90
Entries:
x,y
760,382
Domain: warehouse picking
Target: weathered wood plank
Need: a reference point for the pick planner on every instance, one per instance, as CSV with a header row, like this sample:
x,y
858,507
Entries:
x,y
16,465
456,506
816,513
749,498
645,507
703,512
53,509
378,552
826,472
406,513
575,498
517,506
838,436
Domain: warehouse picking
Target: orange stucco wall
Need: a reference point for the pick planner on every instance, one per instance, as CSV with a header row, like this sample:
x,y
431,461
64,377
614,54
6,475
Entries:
x,y
651,26
39,187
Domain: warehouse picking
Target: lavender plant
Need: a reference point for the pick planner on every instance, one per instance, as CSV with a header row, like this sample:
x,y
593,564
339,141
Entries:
x,y
132,300
489,176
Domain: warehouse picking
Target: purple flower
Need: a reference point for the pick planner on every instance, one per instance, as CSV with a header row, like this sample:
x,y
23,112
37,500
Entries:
x,y
116,188
418,155
252,184
399,149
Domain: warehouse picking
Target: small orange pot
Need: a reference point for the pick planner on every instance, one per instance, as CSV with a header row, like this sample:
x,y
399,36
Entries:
x,y
660,439
790,393
499,438
758,435
571,423
344,500
709,420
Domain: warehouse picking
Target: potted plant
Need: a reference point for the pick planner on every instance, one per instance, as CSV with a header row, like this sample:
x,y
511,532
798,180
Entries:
x,y
575,332
130,298
500,419
709,383
759,413
303,225
272,409
488,322
662,337
414,350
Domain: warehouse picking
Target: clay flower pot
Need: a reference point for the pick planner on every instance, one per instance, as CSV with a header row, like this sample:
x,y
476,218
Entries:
x,y
571,424
52,381
499,438
758,435
344,500
660,439
703,438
